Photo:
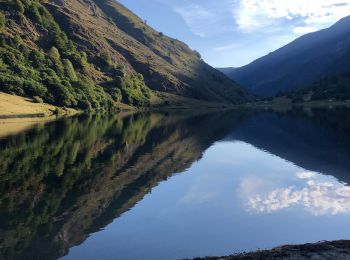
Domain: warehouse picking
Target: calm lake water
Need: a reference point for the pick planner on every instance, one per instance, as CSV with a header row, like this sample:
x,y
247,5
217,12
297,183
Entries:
x,y
172,186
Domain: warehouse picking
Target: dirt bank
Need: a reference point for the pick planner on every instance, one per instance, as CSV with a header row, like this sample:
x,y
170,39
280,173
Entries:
x,y
18,114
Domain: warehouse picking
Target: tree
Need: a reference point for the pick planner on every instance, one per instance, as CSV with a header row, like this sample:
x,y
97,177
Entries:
x,y
106,58
33,13
19,6
54,53
2,20
69,70
198,54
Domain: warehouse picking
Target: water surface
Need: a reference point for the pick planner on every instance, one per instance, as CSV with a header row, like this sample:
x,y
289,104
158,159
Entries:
x,y
170,186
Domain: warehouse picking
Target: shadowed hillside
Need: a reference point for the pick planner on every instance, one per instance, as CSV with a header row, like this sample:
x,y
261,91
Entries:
x,y
300,63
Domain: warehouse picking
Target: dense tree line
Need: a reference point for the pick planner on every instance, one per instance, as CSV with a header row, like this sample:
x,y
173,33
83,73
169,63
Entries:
x,y
335,88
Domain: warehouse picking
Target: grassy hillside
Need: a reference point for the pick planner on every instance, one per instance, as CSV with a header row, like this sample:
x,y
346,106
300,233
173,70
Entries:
x,y
94,54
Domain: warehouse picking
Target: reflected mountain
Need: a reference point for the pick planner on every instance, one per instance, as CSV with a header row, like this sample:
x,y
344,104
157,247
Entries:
x,y
317,140
65,180
62,181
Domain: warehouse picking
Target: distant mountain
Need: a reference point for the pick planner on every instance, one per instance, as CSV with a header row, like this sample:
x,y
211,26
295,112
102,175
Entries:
x,y
300,63
94,53
226,70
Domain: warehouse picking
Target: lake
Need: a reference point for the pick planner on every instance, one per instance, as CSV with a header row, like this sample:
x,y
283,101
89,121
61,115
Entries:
x,y
175,185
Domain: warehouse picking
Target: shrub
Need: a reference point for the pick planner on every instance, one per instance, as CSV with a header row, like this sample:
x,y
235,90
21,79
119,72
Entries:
x,y
69,70
60,40
37,59
2,20
37,99
47,19
106,59
85,105
34,88
19,6
134,91
17,40
116,94
54,53
33,13
199,56
83,60
3,66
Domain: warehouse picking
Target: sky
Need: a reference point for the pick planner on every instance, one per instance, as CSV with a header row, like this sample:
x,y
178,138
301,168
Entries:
x,y
233,33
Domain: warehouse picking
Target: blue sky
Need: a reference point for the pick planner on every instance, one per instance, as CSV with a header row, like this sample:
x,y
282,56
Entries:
x,y
232,33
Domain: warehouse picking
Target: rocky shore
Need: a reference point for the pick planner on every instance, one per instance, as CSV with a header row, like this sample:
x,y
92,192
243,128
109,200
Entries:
x,y
321,250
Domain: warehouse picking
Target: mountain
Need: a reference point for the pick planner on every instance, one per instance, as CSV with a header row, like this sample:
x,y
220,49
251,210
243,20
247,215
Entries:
x,y
300,63
226,70
93,53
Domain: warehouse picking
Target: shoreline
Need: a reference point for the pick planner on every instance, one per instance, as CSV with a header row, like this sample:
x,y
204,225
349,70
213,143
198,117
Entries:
x,y
321,250
14,116
17,107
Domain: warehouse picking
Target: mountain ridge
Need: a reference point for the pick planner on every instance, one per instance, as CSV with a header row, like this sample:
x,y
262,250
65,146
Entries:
x,y
299,63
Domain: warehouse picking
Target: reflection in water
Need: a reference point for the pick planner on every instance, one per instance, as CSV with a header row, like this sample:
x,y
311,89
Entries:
x,y
316,193
318,141
64,181
75,176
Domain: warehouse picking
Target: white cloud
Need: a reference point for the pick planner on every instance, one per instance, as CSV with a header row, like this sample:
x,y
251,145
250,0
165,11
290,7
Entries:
x,y
253,15
227,47
306,175
304,29
318,195
197,18
206,18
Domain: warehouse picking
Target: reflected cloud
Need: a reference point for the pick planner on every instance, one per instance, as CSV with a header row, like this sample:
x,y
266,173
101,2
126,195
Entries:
x,y
196,195
317,194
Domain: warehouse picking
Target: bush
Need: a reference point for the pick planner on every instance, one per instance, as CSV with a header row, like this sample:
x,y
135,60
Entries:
x,y
37,59
34,88
2,20
54,53
106,59
33,13
69,70
37,99
116,94
19,6
134,91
